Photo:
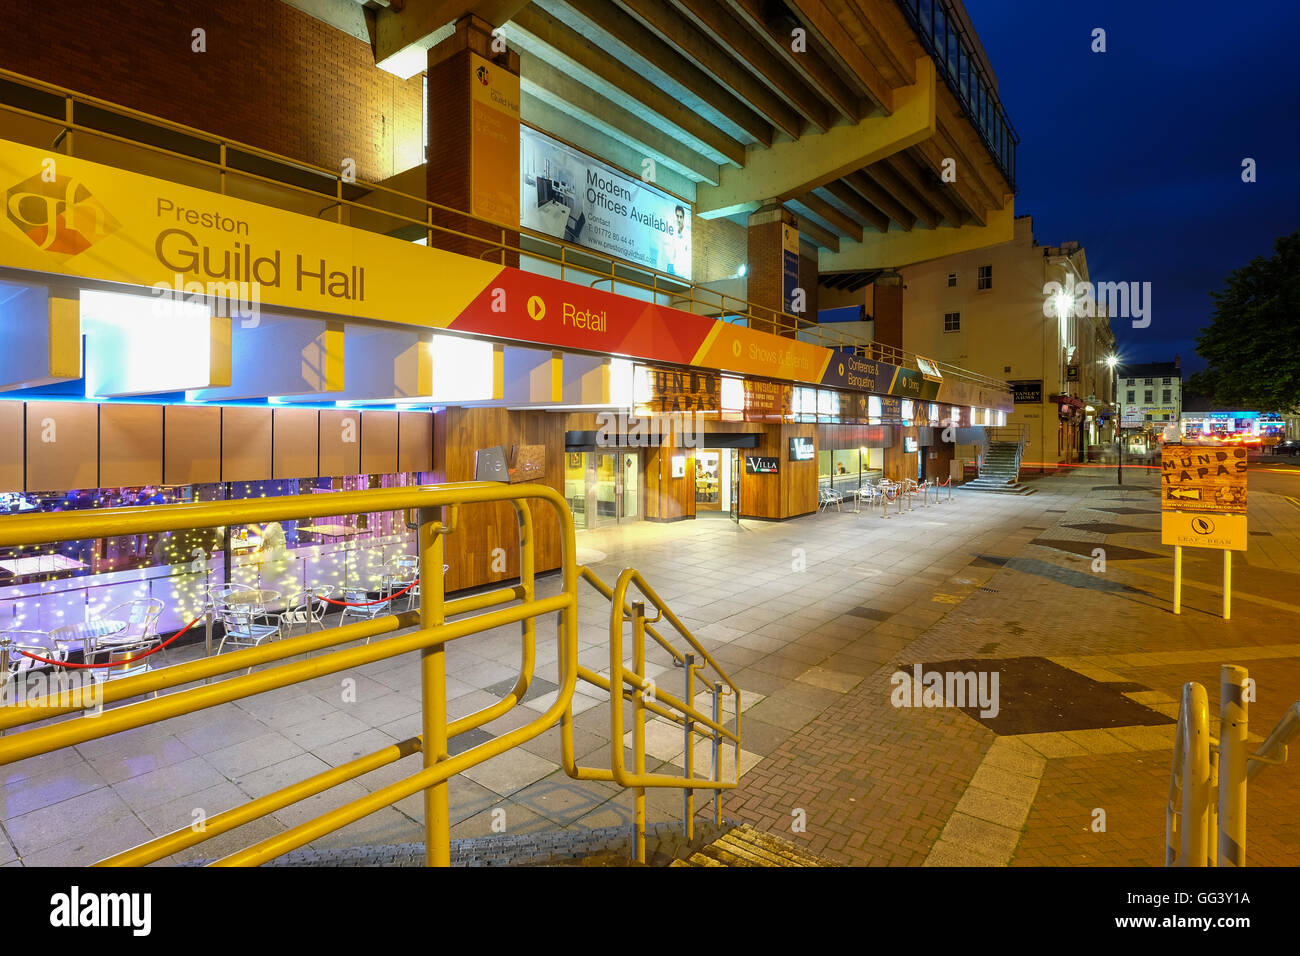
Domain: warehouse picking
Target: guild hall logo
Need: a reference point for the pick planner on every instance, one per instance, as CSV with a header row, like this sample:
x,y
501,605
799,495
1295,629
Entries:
x,y
60,216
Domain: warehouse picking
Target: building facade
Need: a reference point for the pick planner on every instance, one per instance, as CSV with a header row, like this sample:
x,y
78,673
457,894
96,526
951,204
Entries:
x,y
256,279
1151,402
1019,311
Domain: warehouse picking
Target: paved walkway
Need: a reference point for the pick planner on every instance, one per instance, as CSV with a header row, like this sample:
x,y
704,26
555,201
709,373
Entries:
x,y
812,618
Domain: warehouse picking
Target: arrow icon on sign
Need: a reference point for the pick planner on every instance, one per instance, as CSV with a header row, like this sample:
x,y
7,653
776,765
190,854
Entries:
x,y
1193,494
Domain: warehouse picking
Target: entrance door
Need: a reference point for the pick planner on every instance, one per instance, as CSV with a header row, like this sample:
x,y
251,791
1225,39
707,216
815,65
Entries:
x,y
613,487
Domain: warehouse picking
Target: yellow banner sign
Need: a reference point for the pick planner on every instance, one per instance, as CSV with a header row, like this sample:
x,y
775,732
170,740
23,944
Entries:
x,y
1225,532
77,218
494,142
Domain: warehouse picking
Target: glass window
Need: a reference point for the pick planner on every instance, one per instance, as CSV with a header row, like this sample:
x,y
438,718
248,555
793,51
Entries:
x,y
1132,396
952,321
952,280
985,277
1168,395
1148,399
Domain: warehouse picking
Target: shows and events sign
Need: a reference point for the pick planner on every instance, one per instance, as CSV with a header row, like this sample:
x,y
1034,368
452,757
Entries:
x,y
570,195
1203,478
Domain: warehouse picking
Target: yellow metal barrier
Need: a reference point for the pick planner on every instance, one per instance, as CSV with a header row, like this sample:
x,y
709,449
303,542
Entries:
x,y
436,508
1204,767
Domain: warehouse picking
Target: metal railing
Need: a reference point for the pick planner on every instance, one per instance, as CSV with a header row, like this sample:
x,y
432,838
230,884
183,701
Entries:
x,y
944,37
437,515
382,209
1205,813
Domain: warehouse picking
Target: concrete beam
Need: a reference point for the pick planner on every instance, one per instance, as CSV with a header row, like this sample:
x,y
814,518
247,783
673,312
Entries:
x,y
579,100
845,52
813,66
403,34
571,45
825,239
627,30
903,180
881,199
793,168
893,250
679,32
861,207
828,213
730,34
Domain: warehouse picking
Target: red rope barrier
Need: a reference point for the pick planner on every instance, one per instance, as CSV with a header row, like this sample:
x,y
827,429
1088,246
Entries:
x,y
46,660
395,594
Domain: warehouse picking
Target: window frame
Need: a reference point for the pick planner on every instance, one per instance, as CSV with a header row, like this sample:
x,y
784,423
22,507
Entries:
x,y
956,324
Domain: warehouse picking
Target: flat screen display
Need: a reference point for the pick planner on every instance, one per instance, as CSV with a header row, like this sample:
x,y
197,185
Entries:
x,y
802,449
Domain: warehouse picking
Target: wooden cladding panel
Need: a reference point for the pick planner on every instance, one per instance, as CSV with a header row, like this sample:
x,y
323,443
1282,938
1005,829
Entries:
x,y
191,444
11,446
484,528
378,443
295,443
62,446
340,442
414,441
245,443
130,445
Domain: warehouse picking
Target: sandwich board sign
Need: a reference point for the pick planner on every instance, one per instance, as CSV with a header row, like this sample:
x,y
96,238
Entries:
x,y
1203,505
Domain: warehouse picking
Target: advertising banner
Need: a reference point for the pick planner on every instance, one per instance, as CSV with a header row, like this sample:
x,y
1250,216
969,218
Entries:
x,y
494,125
1203,478
567,194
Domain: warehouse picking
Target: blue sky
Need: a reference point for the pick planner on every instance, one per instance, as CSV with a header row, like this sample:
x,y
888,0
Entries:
x,y
1137,152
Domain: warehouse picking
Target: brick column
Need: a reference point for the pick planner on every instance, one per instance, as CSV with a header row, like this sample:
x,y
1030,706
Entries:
x,y
471,90
888,311
772,229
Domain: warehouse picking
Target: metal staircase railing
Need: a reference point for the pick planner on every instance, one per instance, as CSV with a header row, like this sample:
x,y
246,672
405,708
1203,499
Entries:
x,y
436,510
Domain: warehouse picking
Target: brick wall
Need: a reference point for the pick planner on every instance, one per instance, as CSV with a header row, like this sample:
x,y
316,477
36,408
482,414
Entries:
x,y
718,249
272,76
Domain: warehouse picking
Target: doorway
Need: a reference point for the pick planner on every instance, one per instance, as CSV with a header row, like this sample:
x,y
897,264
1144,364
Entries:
x,y
603,487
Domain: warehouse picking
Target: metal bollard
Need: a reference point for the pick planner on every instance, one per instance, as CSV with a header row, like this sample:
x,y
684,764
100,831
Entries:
x,y
1233,717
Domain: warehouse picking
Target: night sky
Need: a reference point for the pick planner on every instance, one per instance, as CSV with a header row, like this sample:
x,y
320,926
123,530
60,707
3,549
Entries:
x,y
1137,152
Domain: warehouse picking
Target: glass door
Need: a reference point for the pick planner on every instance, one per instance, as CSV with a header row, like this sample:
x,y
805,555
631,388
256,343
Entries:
x,y
631,492
604,486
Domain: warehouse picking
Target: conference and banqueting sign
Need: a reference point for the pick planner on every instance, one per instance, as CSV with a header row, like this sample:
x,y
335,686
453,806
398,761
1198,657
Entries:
x,y
569,195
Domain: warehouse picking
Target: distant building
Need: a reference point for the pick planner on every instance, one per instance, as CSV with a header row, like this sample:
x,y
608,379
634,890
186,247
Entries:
x,y
1006,311
1150,399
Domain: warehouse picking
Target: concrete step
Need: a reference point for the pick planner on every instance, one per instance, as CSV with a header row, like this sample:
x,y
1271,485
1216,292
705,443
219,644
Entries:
x,y
745,846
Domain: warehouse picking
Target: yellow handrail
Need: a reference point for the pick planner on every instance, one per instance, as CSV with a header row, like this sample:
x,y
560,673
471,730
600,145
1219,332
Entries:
x,y
437,510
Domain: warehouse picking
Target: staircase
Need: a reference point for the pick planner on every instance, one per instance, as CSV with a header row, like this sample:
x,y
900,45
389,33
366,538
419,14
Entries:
x,y
1000,470
742,845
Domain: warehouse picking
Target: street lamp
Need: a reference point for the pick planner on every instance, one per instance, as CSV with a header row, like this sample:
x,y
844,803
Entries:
x,y
1113,361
